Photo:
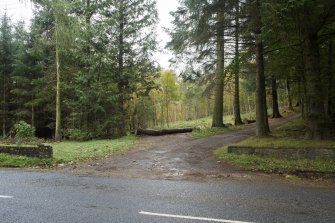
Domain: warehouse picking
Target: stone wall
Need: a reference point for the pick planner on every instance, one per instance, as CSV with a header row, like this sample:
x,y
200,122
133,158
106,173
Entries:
x,y
284,152
41,151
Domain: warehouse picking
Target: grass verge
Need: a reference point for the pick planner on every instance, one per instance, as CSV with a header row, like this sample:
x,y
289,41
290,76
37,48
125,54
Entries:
x,y
67,151
77,151
215,131
292,135
277,165
7,160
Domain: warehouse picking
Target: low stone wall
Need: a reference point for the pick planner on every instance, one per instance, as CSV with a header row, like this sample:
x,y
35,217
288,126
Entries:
x,y
284,152
41,151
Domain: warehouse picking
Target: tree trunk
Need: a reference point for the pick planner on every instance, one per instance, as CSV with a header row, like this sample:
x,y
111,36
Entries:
x,y
32,116
4,108
162,116
275,106
122,82
262,127
316,119
289,95
237,107
167,113
219,79
58,86
331,84
152,132
303,91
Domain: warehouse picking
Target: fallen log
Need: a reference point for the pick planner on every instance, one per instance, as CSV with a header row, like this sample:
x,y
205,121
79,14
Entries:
x,y
161,132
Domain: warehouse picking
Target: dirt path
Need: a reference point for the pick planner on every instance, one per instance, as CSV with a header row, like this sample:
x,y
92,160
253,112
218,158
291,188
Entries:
x,y
172,157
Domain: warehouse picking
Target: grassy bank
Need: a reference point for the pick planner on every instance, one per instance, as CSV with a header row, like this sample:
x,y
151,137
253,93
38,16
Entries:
x,y
67,151
78,151
205,122
292,135
202,126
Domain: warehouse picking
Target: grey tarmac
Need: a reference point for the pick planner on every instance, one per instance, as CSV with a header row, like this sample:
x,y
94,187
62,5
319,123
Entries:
x,y
55,197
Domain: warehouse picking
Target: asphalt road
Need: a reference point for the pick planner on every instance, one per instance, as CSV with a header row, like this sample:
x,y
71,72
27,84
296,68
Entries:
x,y
53,197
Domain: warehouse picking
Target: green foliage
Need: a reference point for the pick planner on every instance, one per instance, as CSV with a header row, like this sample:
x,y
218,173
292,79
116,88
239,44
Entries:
x,y
6,59
77,135
109,79
169,86
23,130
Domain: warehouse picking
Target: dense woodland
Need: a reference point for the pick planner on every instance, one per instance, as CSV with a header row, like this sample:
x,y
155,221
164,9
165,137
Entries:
x,y
85,68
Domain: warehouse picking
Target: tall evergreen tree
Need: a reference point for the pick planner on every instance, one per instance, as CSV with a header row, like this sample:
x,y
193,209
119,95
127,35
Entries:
x,y
201,29
6,63
262,126
237,108
23,74
130,34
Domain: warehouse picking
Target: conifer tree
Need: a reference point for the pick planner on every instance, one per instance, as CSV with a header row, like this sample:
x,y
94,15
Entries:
x,y
6,63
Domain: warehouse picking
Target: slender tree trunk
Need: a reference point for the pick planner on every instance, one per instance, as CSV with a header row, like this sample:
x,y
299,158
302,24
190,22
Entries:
x,y
58,85
262,127
266,117
331,84
32,116
154,117
237,106
167,113
122,82
275,106
249,105
289,94
4,108
162,116
208,110
303,89
316,119
219,79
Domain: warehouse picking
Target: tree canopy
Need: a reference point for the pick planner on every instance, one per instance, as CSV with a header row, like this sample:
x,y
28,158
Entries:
x,y
85,69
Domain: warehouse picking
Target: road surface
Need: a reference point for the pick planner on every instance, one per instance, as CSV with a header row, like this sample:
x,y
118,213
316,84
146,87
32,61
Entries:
x,y
55,197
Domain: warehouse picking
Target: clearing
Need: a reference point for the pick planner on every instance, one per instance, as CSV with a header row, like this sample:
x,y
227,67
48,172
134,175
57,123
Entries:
x,y
178,156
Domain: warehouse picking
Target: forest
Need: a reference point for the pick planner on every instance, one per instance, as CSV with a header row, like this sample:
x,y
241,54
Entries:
x,y
85,69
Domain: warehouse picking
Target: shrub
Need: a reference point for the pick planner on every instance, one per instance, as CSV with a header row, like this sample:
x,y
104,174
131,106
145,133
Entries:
x,y
78,135
23,130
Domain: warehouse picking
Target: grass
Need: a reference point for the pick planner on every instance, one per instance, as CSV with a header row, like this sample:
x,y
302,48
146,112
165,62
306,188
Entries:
x,y
215,131
202,126
77,151
292,135
67,151
278,165
7,160
207,121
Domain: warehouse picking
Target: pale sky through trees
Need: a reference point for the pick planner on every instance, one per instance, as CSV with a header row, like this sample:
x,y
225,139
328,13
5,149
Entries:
x,y
22,11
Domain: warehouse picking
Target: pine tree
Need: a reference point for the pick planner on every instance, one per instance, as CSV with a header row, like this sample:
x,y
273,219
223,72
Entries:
x,y
262,125
201,29
6,63
130,30
237,109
